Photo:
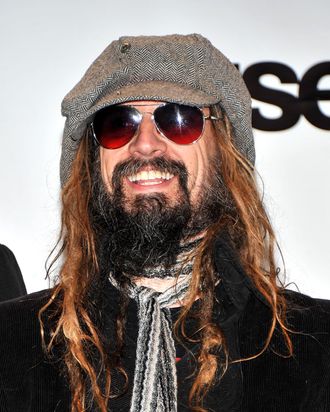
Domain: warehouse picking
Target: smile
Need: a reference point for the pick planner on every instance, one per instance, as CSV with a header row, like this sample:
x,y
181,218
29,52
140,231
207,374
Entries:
x,y
150,177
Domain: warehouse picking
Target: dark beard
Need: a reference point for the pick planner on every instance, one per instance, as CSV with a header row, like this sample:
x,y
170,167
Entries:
x,y
148,230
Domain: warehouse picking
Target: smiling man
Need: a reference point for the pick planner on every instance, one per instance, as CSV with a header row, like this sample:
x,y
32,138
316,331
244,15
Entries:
x,y
168,296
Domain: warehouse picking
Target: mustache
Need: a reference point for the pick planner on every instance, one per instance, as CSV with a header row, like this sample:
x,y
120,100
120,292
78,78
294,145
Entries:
x,y
161,164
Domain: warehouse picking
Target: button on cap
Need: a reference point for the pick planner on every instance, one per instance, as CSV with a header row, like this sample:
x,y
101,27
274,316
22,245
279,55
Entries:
x,y
125,47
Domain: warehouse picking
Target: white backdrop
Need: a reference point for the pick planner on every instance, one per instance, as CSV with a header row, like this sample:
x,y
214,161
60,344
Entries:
x,y
47,45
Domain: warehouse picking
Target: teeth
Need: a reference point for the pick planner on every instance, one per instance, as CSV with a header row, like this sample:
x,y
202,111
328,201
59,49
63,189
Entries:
x,y
150,175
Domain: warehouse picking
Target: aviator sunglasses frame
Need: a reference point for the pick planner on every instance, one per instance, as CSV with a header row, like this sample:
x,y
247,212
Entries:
x,y
138,117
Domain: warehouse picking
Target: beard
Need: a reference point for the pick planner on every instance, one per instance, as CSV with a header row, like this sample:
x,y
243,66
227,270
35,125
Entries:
x,y
148,230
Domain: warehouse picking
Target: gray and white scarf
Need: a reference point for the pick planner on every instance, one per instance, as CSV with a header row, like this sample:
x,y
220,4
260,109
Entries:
x,y
155,381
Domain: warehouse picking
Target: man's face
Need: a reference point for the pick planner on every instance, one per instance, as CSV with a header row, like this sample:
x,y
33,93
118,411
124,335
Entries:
x,y
152,196
149,180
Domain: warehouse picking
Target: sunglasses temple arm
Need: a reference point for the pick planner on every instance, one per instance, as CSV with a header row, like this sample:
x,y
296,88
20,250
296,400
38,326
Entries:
x,y
91,129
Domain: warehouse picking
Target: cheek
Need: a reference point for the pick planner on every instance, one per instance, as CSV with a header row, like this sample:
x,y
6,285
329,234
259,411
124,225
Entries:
x,y
196,164
198,167
107,163
200,160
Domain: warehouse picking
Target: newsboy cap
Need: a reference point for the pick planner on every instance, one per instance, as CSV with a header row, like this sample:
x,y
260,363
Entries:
x,y
185,69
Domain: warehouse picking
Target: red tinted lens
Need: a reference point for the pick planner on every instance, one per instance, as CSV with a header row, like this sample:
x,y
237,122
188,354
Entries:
x,y
179,123
115,126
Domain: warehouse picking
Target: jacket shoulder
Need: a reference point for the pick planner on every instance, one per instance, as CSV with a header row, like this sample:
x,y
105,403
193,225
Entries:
x,y
19,323
29,379
23,306
309,320
20,343
11,279
307,306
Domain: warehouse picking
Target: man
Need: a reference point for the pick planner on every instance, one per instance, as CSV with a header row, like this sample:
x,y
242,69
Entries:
x,y
168,296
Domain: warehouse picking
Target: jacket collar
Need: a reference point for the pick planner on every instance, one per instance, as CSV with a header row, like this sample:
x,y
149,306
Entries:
x,y
237,285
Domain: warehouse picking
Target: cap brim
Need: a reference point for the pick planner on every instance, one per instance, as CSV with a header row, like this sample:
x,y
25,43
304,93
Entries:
x,y
156,90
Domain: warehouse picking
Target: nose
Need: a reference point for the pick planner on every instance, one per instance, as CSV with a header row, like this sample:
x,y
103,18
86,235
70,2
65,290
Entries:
x,y
147,143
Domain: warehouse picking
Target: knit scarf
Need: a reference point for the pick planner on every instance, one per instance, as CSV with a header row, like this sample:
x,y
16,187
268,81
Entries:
x,y
155,381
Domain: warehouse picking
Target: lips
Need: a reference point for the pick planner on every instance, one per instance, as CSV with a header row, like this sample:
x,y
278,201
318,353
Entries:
x,y
150,177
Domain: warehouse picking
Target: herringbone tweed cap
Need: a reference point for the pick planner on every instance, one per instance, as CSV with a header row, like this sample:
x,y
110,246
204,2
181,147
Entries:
x,y
177,68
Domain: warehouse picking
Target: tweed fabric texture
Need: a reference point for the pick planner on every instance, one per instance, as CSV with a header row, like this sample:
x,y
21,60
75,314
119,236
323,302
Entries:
x,y
155,379
185,69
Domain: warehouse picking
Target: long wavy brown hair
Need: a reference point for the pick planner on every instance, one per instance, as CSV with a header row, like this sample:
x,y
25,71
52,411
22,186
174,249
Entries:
x,y
74,326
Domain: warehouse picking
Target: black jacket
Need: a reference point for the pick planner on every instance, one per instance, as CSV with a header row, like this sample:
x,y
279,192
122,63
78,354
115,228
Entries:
x,y
11,280
31,383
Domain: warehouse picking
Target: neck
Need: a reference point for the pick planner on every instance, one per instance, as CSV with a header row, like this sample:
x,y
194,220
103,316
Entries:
x,y
158,284
182,267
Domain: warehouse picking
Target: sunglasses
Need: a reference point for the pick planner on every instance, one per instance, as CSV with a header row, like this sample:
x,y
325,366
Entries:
x,y
115,126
